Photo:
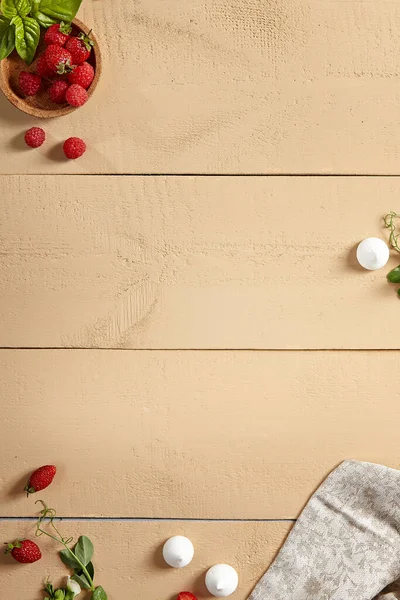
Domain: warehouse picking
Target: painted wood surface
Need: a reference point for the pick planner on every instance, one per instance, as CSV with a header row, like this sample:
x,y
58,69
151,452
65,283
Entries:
x,y
191,434
128,558
231,86
194,262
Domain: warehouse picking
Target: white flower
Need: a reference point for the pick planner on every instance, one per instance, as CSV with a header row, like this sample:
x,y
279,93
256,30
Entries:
x,y
73,586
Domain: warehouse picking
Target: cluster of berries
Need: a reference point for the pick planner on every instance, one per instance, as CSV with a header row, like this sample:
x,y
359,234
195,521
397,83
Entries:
x,y
73,147
26,551
64,66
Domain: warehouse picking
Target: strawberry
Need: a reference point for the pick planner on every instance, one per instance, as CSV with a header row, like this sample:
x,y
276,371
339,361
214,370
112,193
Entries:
x,y
58,59
74,148
58,90
24,551
40,479
83,75
29,83
58,34
186,596
35,137
80,48
76,95
42,68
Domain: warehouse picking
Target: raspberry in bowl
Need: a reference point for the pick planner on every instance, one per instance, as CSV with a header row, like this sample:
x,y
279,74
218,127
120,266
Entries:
x,y
53,63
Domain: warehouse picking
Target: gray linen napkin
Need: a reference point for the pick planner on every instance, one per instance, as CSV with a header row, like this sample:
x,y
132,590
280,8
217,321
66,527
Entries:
x,y
345,544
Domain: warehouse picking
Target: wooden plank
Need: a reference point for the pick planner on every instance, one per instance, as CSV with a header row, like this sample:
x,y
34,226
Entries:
x,y
191,434
231,86
192,262
128,557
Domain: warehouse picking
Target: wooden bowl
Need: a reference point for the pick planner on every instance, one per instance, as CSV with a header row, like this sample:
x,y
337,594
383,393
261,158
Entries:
x,y
41,105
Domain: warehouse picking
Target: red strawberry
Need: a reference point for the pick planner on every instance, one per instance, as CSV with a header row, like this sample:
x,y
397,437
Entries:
x,y
42,68
186,596
76,95
58,90
24,551
57,34
40,479
29,83
74,147
80,48
34,137
58,59
83,75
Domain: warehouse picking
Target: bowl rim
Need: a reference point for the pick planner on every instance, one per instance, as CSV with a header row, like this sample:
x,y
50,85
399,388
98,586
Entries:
x,y
42,113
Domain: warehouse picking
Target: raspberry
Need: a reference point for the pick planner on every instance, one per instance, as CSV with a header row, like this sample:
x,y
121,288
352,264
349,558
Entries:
x,y
58,90
80,48
76,95
57,34
29,83
74,147
58,59
34,137
42,68
82,75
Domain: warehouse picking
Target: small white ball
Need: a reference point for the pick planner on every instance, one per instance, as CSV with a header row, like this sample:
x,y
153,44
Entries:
x,y
178,551
372,253
222,580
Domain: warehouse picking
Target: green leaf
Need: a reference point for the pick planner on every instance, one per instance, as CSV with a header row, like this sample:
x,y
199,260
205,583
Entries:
x,y
394,275
84,550
7,38
69,560
99,594
82,580
14,8
47,12
27,36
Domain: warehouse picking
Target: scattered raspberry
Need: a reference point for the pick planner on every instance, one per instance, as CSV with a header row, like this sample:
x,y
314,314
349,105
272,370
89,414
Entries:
x,y
29,83
76,95
34,137
58,90
186,596
58,59
40,479
83,75
42,68
74,147
80,48
58,34
24,551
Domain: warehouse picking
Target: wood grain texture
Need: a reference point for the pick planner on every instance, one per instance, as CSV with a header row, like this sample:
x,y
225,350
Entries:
x,y
191,434
194,262
231,86
129,562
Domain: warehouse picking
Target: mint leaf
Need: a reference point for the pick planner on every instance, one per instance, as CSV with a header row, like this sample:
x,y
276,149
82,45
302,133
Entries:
x,y
27,36
47,12
13,8
82,580
7,38
394,275
84,550
99,594
69,560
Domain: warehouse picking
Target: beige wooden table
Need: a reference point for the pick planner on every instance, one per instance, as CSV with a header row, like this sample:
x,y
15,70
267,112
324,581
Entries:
x,y
183,327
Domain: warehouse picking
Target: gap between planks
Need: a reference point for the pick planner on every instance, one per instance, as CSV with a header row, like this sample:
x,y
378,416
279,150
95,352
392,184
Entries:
x,y
151,519
388,175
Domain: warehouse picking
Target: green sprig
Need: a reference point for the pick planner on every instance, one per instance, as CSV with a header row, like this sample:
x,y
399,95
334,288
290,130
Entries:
x,y
78,559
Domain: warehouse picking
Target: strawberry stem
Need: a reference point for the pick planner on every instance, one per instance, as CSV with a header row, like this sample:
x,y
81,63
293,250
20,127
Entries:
x,y
50,513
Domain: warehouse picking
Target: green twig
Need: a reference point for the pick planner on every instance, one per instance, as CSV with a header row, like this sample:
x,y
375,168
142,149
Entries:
x,y
390,224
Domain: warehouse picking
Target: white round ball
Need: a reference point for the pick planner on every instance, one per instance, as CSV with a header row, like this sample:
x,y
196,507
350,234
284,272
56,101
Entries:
x,y
372,253
222,580
178,551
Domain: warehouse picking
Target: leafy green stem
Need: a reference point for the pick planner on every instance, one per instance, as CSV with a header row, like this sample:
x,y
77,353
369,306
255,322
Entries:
x,y
50,513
